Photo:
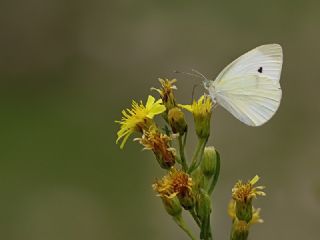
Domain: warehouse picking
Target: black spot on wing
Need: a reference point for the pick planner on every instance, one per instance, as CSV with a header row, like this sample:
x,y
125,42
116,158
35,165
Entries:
x,y
260,69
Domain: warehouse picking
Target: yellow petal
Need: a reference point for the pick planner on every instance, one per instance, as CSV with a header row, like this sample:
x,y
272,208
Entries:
x,y
156,110
187,107
254,180
150,102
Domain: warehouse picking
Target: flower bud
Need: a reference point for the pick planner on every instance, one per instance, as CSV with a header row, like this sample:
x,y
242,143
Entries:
x,y
198,178
177,121
209,161
172,205
203,205
244,210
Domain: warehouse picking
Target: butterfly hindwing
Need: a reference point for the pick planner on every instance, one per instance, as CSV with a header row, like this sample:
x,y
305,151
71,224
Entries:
x,y
251,99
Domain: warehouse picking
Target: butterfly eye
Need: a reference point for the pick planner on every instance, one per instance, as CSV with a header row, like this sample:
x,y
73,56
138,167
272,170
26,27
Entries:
x,y
206,84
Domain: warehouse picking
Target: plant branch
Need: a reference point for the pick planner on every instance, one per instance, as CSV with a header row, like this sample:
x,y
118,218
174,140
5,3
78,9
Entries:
x,y
182,155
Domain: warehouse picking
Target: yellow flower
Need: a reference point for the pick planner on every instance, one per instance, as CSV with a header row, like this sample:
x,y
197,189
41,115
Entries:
x,y
176,183
138,118
166,92
244,192
159,143
201,107
201,111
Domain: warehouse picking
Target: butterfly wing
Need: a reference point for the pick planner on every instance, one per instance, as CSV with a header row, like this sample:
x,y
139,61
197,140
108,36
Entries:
x,y
263,60
249,87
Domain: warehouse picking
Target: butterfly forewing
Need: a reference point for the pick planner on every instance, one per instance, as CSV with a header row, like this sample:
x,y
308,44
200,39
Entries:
x,y
249,87
265,60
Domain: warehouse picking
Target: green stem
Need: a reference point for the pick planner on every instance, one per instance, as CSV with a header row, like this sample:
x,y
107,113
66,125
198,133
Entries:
x,y
182,156
185,138
179,220
195,217
205,229
197,157
216,175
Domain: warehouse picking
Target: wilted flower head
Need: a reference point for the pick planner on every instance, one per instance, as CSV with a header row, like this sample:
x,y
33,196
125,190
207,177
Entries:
x,y
176,183
166,92
138,118
201,111
159,143
244,192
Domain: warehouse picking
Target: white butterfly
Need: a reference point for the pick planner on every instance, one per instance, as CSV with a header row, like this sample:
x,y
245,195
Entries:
x,y
249,87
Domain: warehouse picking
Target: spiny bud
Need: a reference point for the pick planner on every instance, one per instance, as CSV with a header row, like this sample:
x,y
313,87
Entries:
x,y
177,121
209,161
172,205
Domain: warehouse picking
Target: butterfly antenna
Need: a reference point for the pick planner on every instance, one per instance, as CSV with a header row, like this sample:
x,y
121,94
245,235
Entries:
x,y
190,74
199,74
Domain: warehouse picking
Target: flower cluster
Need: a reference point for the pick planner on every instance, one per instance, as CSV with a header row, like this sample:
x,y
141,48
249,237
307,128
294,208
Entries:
x,y
188,184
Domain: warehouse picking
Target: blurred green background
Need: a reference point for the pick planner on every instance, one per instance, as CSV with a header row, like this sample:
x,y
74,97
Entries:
x,y
68,68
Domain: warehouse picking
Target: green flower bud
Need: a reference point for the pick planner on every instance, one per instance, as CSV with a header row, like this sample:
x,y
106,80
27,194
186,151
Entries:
x,y
203,205
177,121
172,206
198,178
209,161
244,210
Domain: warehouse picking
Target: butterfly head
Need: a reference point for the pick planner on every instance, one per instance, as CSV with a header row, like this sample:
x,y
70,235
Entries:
x,y
207,84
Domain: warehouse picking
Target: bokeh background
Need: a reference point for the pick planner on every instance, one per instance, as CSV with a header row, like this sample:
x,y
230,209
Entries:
x,y
68,68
